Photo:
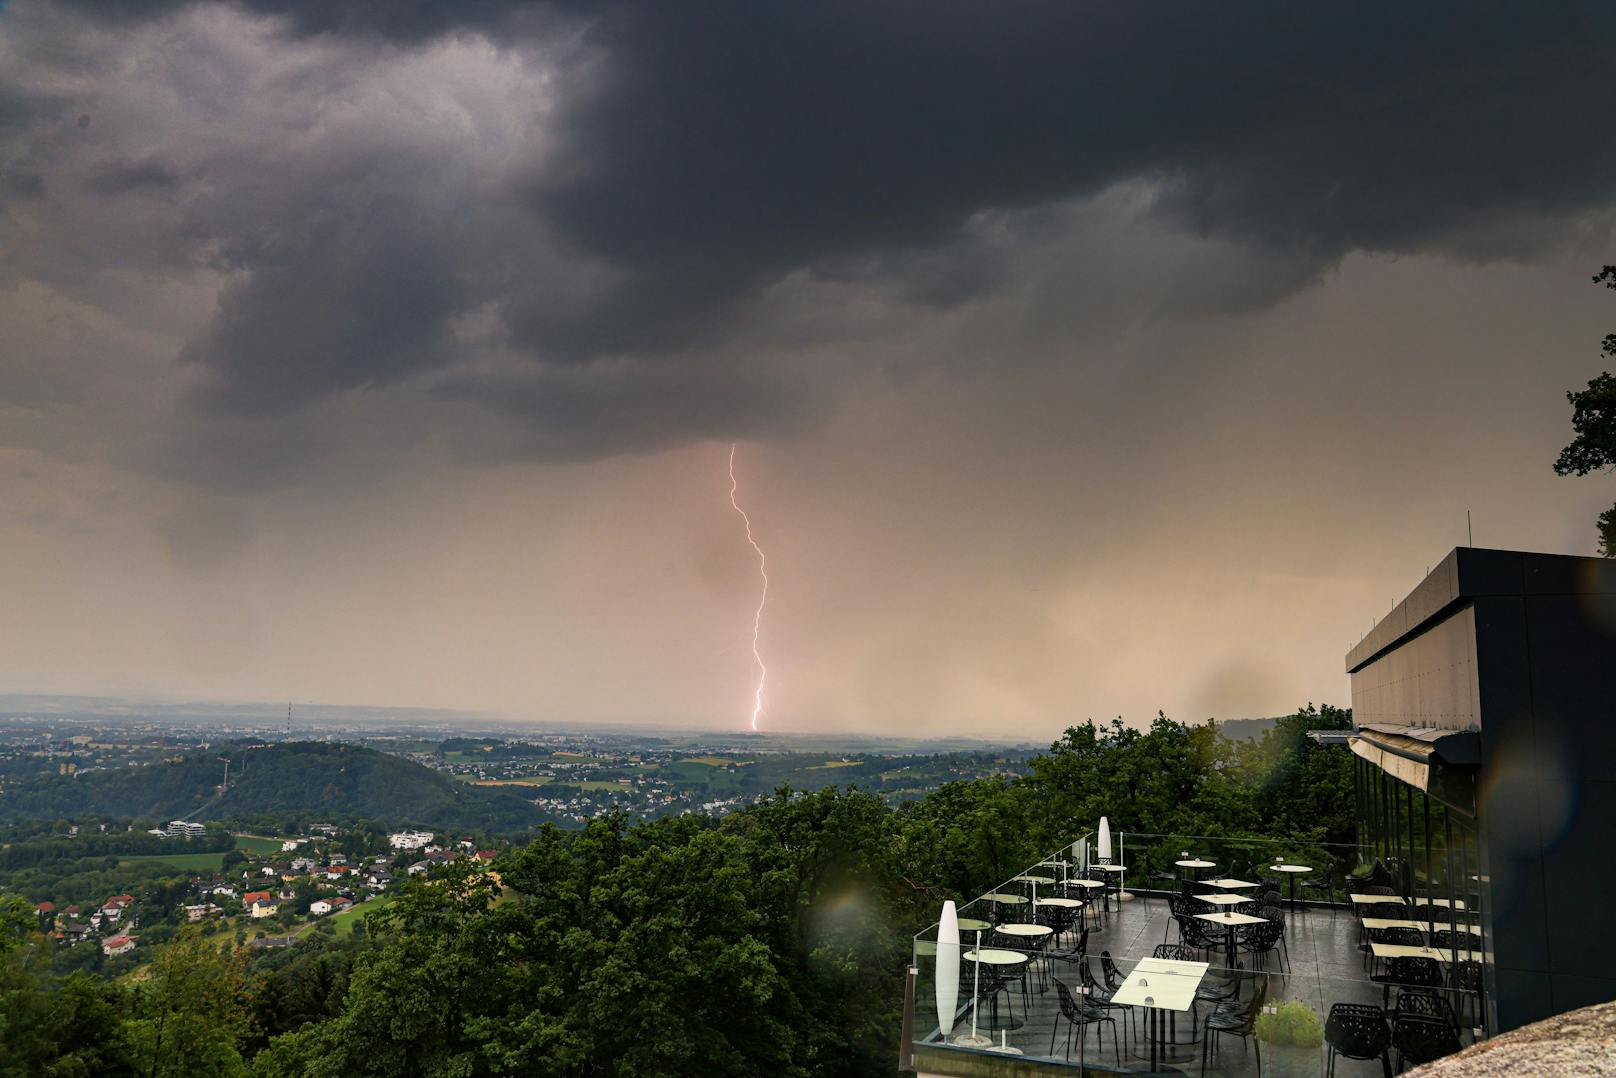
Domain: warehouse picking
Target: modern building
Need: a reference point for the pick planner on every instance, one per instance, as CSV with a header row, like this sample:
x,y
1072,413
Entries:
x,y
1485,706
185,829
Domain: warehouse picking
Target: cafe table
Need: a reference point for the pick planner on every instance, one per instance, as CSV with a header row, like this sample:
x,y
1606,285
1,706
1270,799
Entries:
x,y
1371,900
1034,879
994,956
1224,899
1033,934
1194,864
1160,984
1292,871
1392,922
1403,950
1227,884
1230,921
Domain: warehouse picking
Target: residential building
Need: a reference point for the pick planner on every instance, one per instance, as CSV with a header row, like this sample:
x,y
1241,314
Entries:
x,y
113,946
184,829
410,840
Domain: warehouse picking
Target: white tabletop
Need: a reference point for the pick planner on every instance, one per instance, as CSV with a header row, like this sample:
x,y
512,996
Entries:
x,y
1108,868
1391,922
1223,900
993,957
1163,983
1229,918
1365,900
1066,903
1085,883
1035,879
1011,900
1403,950
1025,930
1195,864
1228,884
1291,868
974,924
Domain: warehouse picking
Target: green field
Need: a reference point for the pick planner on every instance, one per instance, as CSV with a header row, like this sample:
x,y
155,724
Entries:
x,y
257,844
533,780
344,921
197,862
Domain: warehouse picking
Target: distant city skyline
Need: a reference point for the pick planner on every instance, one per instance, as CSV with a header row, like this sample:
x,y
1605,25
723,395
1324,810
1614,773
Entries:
x,y
1085,364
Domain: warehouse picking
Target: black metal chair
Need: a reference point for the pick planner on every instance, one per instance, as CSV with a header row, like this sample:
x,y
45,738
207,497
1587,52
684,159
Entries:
x,y
1424,1004
1197,934
1420,1040
1467,981
1408,972
1079,1017
1234,1019
1178,907
1261,940
1358,1031
1099,994
1464,939
1326,885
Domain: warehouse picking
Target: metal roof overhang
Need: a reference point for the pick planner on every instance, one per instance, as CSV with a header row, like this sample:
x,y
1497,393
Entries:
x,y
1413,753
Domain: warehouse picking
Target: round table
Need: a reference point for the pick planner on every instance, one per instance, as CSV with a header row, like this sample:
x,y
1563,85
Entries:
x,y
1007,900
1034,879
974,924
1194,864
1293,871
1065,903
990,956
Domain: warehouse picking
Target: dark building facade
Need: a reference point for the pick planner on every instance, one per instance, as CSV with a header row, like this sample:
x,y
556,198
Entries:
x,y
1485,706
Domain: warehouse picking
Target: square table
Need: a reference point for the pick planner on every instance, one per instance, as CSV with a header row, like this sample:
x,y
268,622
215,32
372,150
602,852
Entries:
x,y
1223,899
1392,922
1160,984
1228,884
1370,900
1231,921
1402,950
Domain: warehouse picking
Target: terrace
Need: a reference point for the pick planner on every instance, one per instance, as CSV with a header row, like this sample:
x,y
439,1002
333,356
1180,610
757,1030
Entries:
x,y
1062,968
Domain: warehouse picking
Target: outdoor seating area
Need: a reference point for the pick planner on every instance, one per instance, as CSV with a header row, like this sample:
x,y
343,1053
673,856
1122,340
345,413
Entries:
x,y
1206,971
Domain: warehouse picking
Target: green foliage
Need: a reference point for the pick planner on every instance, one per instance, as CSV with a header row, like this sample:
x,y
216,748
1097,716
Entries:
x,y
1292,1022
1593,420
333,780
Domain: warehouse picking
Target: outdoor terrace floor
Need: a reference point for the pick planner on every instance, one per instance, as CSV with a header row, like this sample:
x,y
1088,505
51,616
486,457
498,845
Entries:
x,y
1325,967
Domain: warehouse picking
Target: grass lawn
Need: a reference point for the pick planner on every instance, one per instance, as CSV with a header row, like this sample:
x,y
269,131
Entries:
x,y
258,844
535,780
834,763
344,921
710,761
199,862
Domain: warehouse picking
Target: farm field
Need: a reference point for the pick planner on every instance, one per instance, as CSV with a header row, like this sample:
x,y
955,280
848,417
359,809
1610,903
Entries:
x,y
197,862
259,844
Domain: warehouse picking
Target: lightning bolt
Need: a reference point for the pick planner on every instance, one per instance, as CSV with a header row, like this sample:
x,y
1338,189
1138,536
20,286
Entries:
x,y
763,571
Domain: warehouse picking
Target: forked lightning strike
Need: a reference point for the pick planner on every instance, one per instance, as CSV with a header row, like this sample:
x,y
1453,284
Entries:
x,y
763,571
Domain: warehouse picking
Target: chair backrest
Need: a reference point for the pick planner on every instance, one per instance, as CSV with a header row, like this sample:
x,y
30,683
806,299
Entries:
x,y
1388,910
1467,975
1083,942
1420,972
1357,1030
1465,939
1068,1004
1265,936
1113,975
1176,952
1420,1040
1403,937
1424,1004
1378,889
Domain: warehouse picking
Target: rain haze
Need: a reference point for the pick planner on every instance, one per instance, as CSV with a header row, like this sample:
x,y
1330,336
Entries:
x,y
1080,360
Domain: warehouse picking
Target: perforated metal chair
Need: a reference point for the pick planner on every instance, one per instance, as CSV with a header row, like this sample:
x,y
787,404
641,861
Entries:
x,y
1357,1031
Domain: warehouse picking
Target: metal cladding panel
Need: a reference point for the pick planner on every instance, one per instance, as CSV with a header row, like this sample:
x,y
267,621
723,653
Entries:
x,y
1429,681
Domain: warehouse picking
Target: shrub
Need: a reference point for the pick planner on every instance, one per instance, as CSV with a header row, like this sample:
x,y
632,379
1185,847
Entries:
x,y
1292,1022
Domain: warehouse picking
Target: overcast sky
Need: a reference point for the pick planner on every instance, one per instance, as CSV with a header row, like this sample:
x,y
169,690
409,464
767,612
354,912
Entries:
x,y
1084,359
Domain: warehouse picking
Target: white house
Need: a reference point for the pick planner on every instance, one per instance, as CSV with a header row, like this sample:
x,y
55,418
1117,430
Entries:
x,y
409,840
263,909
319,907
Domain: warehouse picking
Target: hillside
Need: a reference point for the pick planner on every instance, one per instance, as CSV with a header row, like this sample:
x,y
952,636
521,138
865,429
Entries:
x,y
296,777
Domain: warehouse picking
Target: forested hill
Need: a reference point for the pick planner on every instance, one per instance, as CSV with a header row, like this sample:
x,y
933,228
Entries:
x,y
296,777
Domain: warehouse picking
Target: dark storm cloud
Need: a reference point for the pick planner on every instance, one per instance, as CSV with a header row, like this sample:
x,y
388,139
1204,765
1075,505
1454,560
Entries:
x,y
696,155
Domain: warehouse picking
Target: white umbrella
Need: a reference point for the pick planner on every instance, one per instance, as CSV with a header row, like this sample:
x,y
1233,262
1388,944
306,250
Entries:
x,y
948,960
1105,841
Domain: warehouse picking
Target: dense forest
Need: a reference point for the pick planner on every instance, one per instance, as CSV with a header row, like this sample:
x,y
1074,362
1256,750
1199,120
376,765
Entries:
x,y
771,941
312,779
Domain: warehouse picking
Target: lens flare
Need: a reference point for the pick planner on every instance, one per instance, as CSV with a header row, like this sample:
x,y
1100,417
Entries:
x,y
763,571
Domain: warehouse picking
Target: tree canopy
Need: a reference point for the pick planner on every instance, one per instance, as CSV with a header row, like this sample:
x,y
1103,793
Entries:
x,y
1593,420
